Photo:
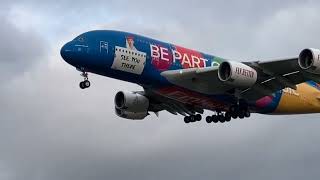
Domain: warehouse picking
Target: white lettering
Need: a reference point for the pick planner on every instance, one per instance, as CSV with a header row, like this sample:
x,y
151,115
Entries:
x,y
196,61
164,52
186,60
176,55
154,51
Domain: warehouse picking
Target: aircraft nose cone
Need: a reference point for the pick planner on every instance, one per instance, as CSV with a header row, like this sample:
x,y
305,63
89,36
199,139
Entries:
x,y
66,52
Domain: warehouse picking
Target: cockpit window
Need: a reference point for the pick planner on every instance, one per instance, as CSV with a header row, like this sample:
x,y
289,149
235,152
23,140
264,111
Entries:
x,y
81,39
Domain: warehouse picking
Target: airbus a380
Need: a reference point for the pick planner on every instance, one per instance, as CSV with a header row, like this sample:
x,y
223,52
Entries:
x,y
187,82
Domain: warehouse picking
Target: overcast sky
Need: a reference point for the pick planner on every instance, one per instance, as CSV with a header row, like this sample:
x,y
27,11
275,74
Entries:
x,y
50,129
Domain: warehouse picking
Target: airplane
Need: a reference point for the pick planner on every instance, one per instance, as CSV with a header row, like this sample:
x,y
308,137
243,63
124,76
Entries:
x,y
187,82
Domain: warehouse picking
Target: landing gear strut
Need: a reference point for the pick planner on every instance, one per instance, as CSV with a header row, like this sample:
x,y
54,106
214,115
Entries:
x,y
85,83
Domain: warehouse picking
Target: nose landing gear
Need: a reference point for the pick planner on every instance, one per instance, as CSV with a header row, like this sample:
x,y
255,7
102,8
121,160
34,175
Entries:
x,y
85,83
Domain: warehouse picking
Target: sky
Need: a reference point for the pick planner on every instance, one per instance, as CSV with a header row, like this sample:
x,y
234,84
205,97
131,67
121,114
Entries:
x,y
50,129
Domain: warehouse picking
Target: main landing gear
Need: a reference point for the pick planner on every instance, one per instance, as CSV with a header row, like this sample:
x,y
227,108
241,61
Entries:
x,y
219,117
85,83
240,110
192,118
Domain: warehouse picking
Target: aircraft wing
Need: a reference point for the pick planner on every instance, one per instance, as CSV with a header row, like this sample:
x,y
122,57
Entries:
x,y
272,76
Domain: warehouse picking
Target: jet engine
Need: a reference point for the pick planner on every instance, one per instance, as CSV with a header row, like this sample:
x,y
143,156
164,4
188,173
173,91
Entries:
x,y
309,60
237,74
131,105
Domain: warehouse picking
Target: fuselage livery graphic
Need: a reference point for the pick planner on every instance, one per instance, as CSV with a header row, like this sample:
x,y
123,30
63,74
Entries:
x,y
187,82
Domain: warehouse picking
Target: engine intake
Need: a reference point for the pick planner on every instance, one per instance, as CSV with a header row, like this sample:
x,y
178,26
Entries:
x,y
309,60
237,74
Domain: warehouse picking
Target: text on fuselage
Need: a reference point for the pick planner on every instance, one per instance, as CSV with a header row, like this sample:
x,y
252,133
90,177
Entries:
x,y
244,72
188,58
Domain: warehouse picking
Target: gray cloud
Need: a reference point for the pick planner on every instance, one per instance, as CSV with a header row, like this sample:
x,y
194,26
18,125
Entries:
x,y
19,50
50,129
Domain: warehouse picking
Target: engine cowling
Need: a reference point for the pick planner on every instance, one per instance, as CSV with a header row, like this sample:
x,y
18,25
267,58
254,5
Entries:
x,y
309,60
237,74
130,115
131,105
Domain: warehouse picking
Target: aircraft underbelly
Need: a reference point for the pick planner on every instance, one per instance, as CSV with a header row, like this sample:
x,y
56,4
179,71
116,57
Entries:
x,y
193,98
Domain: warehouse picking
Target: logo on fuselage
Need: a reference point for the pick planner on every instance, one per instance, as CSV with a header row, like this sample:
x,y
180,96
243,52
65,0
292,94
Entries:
x,y
129,59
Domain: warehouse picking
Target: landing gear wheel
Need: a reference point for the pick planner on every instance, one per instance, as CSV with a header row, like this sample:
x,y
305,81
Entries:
x,y
198,117
192,118
208,119
234,115
82,85
221,119
215,119
247,114
187,119
241,114
227,117
86,83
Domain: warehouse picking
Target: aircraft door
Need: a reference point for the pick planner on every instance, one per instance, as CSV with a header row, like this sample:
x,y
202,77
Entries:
x,y
104,48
